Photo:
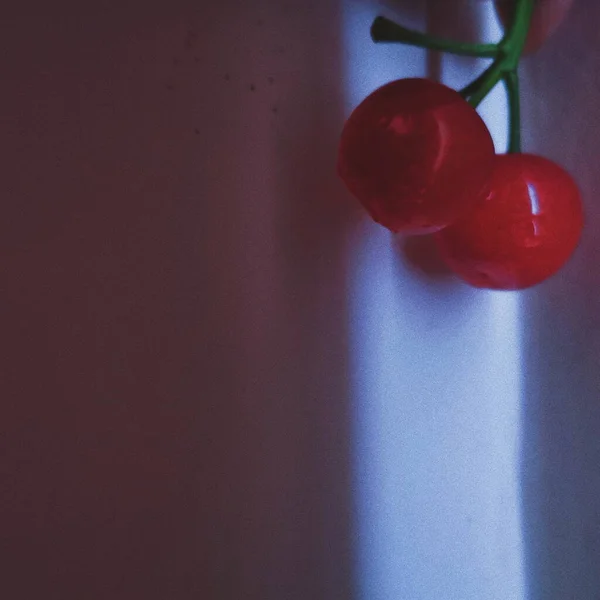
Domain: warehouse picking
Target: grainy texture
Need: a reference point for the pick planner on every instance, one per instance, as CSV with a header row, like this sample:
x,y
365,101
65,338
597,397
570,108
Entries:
x,y
173,421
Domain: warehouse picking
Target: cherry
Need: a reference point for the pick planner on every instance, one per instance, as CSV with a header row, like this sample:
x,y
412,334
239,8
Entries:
x,y
416,155
523,232
547,17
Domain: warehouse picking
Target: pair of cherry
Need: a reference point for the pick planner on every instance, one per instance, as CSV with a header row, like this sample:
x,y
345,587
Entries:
x,y
421,160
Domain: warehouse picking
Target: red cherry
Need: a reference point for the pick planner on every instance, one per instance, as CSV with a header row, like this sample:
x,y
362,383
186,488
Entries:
x,y
523,232
416,155
547,17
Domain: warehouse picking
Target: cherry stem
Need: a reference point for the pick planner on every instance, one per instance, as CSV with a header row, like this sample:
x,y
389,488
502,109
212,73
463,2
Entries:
x,y
477,91
505,67
511,80
506,54
470,89
513,42
385,30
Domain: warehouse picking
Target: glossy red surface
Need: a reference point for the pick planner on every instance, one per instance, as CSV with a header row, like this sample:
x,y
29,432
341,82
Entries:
x,y
548,16
524,231
416,155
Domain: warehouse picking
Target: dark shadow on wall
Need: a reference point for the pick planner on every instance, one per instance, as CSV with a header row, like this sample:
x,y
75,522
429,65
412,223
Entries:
x,y
173,366
287,499
313,394
560,470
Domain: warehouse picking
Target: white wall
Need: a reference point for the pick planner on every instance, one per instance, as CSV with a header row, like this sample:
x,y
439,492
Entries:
x,y
436,380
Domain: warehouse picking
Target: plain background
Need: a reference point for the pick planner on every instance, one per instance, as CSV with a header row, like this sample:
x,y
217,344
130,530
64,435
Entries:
x,y
217,380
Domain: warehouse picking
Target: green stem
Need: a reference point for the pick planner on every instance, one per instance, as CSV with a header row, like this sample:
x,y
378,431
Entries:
x,y
470,89
506,57
506,64
514,40
384,30
511,80
512,46
485,83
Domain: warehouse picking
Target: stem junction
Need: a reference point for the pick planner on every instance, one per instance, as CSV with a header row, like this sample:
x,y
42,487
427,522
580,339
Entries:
x,y
505,54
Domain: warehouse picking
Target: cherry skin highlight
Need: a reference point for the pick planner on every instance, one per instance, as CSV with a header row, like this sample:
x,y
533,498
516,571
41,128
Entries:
x,y
416,155
523,232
